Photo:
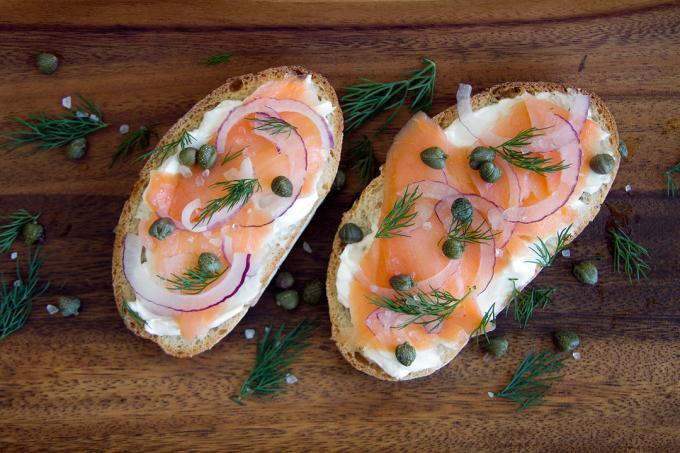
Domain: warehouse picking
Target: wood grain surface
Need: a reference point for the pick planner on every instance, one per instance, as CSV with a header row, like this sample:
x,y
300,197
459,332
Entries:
x,y
86,383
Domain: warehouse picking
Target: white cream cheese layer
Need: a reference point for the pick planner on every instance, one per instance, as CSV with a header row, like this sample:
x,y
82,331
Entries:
x,y
500,289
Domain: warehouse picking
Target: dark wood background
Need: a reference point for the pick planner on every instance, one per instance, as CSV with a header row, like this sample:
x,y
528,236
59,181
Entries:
x,y
88,383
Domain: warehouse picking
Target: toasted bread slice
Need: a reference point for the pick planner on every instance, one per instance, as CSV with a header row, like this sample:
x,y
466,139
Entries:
x,y
236,88
369,205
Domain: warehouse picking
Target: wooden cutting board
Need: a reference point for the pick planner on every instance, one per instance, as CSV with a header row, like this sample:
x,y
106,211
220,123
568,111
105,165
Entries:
x,y
87,383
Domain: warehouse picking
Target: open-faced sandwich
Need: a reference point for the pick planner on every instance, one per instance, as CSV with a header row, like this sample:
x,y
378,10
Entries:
x,y
468,208
229,189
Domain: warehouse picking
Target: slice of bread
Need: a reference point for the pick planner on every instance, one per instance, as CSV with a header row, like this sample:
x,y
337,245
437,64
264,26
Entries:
x,y
364,210
236,88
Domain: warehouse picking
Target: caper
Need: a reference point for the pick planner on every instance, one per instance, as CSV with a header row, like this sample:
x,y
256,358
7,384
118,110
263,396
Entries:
x,y
405,353
340,180
33,232
434,157
602,163
496,347
288,299
187,156
566,341
47,63
313,292
162,228
69,306
480,155
402,282
623,149
585,272
282,186
76,149
206,156
209,263
490,172
461,209
284,280
453,248
351,233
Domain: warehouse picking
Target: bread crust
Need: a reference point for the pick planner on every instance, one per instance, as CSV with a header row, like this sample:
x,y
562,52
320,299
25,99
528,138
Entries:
x,y
235,88
371,199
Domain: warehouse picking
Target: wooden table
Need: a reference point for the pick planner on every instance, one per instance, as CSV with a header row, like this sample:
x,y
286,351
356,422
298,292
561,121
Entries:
x,y
87,383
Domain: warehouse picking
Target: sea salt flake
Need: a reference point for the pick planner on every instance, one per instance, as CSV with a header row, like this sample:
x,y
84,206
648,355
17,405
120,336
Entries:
x,y
306,247
17,283
66,102
499,252
13,256
249,334
576,355
94,117
124,128
628,188
51,309
80,114
291,379
566,253
491,394
427,226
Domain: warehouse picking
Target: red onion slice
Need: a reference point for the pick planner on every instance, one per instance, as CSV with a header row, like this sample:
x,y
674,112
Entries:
x,y
468,120
561,133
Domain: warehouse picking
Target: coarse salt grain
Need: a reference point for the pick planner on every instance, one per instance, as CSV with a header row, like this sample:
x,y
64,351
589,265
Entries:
x,y
80,114
427,226
291,379
66,102
566,253
13,256
51,309
124,128
17,283
576,355
306,247
491,394
249,333
94,117
628,188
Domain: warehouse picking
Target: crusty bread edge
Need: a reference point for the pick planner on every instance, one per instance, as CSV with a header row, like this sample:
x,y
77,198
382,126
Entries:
x,y
236,88
371,198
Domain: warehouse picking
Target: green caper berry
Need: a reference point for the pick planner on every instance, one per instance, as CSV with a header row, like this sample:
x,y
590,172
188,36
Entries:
x,y
351,233
479,156
284,280
566,341
162,228
340,180
313,292
76,149
453,248
206,156
405,353
209,263
47,63
69,306
585,272
461,209
187,156
282,186
33,232
490,172
288,299
602,164
434,157
496,347
402,282
623,149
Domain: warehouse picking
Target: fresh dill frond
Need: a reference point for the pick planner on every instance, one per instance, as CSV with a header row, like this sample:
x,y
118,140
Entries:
x,y
133,141
465,234
428,309
164,151
236,191
511,152
54,132
544,257
364,160
126,310
275,353
272,125
629,256
482,330
10,231
525,302
400,216
671,188
216,59
231,155
193,281
16,301
365,100
530,383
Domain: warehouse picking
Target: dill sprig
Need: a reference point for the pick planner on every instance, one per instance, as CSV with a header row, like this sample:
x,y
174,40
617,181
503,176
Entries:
x,y
126,310
629,256
524,302
428,309
489,317
57,131
236,191
193,281
544,257
364,100
529,383
364,160
132,141
231,155
464,233
216,59
275,353
164,151
272,125
671,188
16,301
511,152
400,216
10,231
